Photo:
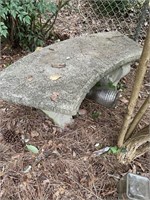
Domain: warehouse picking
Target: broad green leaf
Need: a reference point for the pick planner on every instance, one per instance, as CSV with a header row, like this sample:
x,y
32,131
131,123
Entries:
x,y
4,33
3,29
53,8
114,150
32,148
26,19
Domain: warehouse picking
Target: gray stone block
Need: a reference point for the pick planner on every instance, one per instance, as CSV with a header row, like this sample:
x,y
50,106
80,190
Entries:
x,y
78,62
115,76
59,119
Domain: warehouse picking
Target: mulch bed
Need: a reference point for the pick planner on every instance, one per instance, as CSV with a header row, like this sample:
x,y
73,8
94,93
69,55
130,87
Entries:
x,y
64,169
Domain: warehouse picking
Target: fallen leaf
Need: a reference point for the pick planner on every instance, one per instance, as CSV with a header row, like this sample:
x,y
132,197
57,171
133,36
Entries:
x,y
29,78
58,193
74,154
50,143
34,134
82,112
51,49
54,96
124,100
58,65
4,56
29,176
27,169
1,137
45,181
32,148
56,152
97,144
1,174
38,48
55,77
16,156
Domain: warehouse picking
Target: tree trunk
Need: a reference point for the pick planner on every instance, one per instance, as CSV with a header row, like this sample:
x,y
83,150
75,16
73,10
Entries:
x,y
136,146
136,88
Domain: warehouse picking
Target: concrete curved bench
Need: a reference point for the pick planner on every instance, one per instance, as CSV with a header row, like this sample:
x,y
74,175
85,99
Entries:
x,y
57,78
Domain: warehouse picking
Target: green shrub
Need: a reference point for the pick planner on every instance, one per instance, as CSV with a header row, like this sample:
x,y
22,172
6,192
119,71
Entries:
x,y
28,23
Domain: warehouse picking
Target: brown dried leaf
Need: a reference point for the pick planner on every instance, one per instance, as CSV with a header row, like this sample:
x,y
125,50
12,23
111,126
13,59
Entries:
x,y
74,154
4,56
29,78
59,65
54,96
38,48
59,192
45,181
82,112
55,77
34,134
1,174
50,143
124,100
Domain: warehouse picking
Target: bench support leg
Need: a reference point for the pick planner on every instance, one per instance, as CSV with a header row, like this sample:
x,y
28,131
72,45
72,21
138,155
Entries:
x,y
115,76
59,119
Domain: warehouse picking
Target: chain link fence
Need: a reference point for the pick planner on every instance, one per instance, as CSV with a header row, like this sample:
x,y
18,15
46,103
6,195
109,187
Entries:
x,y
130,17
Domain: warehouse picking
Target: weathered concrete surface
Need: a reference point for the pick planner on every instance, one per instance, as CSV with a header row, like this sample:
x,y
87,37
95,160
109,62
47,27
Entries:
x,y
115,76
84,61
59,119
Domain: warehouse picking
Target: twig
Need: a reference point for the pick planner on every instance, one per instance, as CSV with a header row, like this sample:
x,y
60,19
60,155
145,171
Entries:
x,y
135,146
60,6
138,117
86,189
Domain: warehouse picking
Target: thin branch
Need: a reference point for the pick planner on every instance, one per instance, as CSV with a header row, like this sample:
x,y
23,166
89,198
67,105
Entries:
x,y
136,88
60,6
138,117
134,145
142,150
51,26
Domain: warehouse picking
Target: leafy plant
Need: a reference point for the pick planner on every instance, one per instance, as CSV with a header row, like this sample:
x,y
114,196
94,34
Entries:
x,y
28,23
106,84
3,29
116,150
95,115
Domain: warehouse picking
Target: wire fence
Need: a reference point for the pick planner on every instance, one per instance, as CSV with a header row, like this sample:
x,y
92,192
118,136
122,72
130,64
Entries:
x,y
130,17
